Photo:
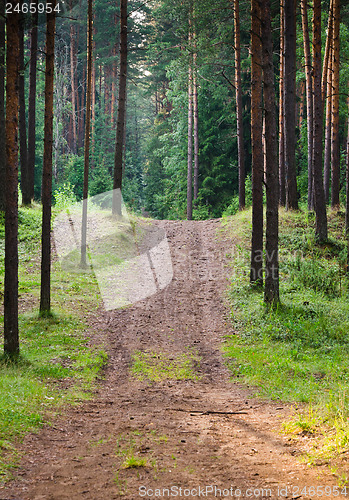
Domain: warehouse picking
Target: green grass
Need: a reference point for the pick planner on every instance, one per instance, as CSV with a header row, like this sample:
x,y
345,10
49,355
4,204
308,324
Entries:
x,y
157,366
58,363
298,352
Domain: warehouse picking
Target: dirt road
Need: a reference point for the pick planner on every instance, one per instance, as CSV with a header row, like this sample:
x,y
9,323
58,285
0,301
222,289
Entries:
x,y
202,433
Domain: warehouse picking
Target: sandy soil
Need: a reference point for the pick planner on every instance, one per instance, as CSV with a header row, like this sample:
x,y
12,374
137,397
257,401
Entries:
x,y
207,433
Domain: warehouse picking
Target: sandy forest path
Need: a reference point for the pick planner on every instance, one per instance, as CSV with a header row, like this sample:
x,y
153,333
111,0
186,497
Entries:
x,y
192,433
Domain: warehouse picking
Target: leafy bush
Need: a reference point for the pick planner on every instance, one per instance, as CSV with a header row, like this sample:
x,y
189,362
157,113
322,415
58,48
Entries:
x,y
64,196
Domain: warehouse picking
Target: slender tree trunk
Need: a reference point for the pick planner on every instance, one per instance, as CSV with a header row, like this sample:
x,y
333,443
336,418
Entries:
x,y
300,111
328,128
319,194
11,337
327,57
45,295
335,147
347,193
190,141
256,274
309,91
120,127
73,84
32,102
23,150
196,126
239,110
87,135
2,106
81,115
290,105
282,173
93,101
271,290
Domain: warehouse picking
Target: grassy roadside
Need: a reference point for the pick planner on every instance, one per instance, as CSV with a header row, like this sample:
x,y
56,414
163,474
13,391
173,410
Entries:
x,y
299,352
58,363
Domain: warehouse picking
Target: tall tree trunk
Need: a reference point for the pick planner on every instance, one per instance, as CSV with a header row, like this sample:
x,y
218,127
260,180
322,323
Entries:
x,y
256,274
271,290
45,294
309,91
347,193
239,110
81,115
11,337
73,84
120,127
282,173
300,110
327,56
328,128
32,101
319,194
23,150
290,105
2,106
93,101
190,140
87,135
335,153
196,125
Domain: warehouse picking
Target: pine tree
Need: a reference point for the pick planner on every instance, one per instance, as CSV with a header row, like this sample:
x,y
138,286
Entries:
x,y
319,194
309,92
256,273
335,153
271,289
32,101
239,110
290,105
45,292
87,135
120,127
11,336
2,106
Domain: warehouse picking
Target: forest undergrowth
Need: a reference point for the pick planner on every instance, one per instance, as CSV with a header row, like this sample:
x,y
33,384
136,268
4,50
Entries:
x,y
58,364
298,352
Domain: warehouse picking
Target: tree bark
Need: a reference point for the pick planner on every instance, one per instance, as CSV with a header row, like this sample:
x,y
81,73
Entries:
x,y
87,135
282,173
120,127
271,289
328,128
309,92
196,126
11,337
239,110
327,56
335,152
347,192
23,150
290,105
2,106
256,272
45,295
73,85
319,194
190,139
32,102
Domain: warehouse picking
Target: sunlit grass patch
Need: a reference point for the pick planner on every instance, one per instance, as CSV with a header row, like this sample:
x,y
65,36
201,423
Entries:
x,y
157,366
